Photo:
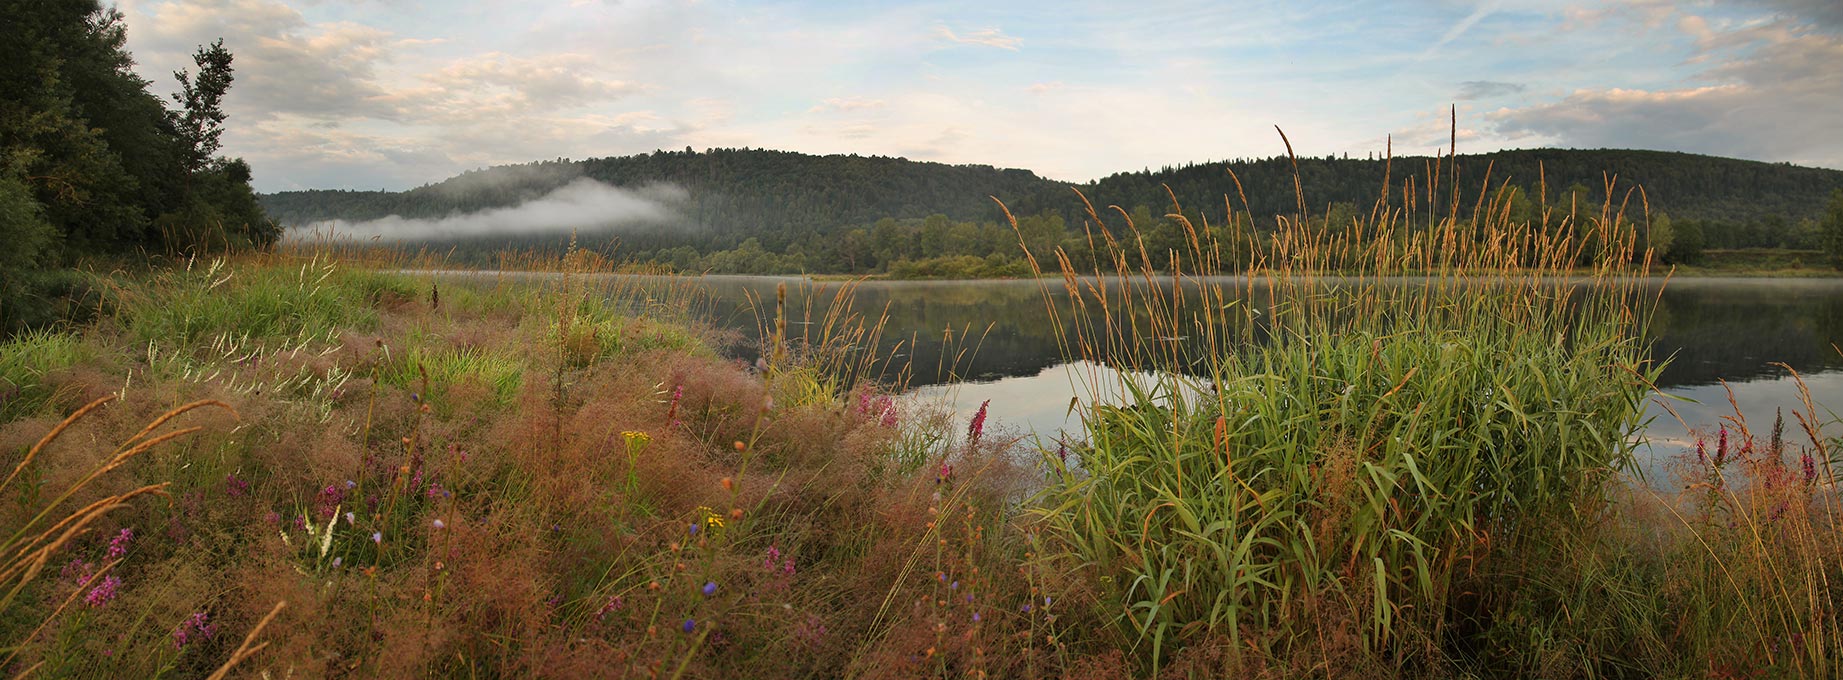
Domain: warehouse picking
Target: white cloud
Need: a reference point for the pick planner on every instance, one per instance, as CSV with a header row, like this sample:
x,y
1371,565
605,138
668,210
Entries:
x,y
989,37
1762,94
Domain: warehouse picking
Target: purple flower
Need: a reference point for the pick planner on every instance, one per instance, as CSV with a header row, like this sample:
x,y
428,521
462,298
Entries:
x,y
336,561
945,473
1721,447
196,627
103,593
351,518
435,490
234,487
377,537
1025,608
710,588
978,425
118,546
440,525
78,570
1810,466
350,484
690,625
614,602
975,617
1702,452
694,529
327,501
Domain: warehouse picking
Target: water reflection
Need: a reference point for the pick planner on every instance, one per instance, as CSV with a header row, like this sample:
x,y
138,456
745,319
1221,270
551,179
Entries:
x,y
972,341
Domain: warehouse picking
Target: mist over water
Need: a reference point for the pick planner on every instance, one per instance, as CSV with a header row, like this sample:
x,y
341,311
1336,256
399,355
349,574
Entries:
x,y
584,205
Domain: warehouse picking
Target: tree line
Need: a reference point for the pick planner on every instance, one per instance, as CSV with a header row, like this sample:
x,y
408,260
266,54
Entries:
x,y
94,164
761,211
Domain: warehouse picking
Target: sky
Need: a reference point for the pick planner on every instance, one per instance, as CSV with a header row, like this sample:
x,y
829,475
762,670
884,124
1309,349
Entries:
x,y
393,94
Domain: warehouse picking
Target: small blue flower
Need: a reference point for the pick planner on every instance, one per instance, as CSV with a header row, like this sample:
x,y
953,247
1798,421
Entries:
x,y
440,525
694,529
975,617
377,537
954,586
710,588
690,625
350,484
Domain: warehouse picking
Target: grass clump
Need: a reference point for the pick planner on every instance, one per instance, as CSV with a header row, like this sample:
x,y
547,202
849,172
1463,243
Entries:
x,y
1333,474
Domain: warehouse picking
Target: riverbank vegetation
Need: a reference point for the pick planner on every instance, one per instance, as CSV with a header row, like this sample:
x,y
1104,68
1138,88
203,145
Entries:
x,y
294,464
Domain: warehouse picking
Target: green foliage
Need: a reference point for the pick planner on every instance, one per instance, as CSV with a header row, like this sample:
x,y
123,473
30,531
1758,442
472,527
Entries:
x,y
1832,228
24,361
91,162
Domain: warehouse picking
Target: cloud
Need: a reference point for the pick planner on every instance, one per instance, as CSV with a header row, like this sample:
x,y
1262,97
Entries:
x,y
1041,88
847,104
1824,13
283,64
989,37
1761,96
583,205
1487,89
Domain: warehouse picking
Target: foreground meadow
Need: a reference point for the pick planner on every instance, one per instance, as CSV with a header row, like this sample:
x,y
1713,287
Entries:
x,y
287,466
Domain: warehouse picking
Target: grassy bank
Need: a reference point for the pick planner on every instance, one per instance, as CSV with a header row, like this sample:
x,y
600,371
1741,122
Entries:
x,y
289,466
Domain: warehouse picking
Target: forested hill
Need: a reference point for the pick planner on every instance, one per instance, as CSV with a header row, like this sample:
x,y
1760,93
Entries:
x,y
822,213
778,197
1687,186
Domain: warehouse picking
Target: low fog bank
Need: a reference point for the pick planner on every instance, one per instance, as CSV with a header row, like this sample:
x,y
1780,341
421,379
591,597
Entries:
x,y
584,206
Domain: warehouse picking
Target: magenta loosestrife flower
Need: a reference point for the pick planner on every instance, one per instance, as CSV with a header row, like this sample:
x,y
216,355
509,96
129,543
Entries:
x,y
194,628
235,487
103,593
977,427
118,546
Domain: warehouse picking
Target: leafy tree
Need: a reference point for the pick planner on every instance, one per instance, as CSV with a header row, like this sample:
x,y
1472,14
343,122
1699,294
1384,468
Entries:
x,y
200,118
1832,228
1659,236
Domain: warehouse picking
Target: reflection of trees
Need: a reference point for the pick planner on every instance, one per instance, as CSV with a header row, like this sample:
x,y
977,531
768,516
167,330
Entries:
x,y
1718,329
1733,329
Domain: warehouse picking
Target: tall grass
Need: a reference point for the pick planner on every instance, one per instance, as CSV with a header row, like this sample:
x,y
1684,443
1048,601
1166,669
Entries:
x,y
1346,446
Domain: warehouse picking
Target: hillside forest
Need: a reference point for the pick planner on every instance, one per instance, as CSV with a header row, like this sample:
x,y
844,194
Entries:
x,y
752,211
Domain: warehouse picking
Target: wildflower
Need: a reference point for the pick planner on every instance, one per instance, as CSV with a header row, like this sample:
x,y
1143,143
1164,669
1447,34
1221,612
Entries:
x,y
693,530
637,437
1062,453
435,490
729,485
1721,447
977,427
234,487
975,617
377,537
945,473
774,553
78,570
1810,466
196,627
440,525
337,561
1702,453
954,586
351,518
103,593
614,602
712,520
118,546
350,484
710,588
690,625
326,502
1026,608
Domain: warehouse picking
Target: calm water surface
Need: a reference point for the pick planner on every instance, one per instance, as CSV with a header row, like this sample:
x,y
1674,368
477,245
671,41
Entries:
x,y
967,342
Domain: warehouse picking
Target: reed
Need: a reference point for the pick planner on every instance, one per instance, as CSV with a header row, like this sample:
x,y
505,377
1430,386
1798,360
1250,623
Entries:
x,y
1355,437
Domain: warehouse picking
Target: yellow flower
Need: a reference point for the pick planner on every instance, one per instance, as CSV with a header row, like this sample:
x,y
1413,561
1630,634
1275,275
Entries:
x,y
712,520
636,436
